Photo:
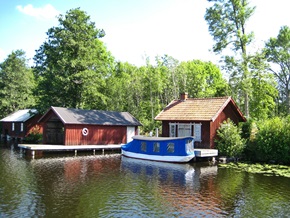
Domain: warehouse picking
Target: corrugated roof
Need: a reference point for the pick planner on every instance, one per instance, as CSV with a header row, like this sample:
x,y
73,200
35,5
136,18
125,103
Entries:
x,y
201,109
97,117
20,116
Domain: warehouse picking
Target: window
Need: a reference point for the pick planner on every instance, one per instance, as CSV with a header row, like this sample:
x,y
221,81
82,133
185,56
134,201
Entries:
x,y
184,130
170,147
156,147
189,146
13,126
143,146
172,129
197,131
21,127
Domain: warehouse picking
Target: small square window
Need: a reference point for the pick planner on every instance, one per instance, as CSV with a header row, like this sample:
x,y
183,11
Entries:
x,y
156,147
170,147
143,146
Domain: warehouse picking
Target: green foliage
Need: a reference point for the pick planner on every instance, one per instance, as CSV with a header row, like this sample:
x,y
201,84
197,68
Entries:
x,y
16,84
277,53
229,141
265,169
71,66
34,136
272,141
227,24
201,79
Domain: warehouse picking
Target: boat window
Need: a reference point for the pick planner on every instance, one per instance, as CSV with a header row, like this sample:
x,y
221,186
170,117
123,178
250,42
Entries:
x,y
189,146
156,147
170,147
143,146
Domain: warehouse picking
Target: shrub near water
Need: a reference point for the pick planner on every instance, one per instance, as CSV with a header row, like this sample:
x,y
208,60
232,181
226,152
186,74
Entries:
x,y
272,141
229,141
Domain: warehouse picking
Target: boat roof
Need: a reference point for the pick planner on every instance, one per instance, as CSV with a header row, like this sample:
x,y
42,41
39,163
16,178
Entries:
x,y
154,138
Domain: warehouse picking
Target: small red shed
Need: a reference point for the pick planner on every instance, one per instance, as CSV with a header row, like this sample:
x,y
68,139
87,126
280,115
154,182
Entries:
x,y
20,123
68,126
198,117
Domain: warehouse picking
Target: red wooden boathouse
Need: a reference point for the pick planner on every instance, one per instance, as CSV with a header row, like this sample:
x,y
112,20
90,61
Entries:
x,y
198,117
20,123
67,126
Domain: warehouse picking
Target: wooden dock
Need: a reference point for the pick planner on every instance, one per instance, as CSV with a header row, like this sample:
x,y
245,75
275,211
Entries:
x,y
206,153
201,152
34,149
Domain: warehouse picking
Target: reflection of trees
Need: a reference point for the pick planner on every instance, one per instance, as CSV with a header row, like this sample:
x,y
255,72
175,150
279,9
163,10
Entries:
x,y
252,195
64,182
18,190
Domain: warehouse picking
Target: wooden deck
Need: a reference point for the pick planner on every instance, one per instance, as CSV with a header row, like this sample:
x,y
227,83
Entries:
x,y
200,152
34,148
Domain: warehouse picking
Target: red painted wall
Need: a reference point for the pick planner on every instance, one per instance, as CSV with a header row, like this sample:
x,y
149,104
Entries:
x,y
28,126
97,135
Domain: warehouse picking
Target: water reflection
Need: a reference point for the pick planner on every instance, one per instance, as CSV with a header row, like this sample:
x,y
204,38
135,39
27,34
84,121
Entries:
x,y
183,189
115,186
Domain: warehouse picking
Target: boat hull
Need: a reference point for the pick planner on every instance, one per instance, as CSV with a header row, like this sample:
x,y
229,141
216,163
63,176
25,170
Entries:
x,y
176,159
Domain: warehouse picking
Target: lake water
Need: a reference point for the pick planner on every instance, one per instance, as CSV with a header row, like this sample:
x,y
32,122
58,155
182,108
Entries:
x,y
114,186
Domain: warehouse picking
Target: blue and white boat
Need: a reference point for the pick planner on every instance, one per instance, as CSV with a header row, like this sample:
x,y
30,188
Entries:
x,y
166,149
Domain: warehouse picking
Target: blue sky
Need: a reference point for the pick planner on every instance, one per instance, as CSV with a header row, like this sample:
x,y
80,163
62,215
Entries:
x,y
134,28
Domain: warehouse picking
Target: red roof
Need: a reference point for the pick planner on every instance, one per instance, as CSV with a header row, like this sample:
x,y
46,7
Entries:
x,y
200,109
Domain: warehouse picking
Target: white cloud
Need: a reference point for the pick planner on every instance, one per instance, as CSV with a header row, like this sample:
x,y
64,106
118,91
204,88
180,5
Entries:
x,y
45,12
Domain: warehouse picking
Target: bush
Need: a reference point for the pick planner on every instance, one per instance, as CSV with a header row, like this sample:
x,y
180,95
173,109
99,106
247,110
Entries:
x,y
229,141
272,141
34,135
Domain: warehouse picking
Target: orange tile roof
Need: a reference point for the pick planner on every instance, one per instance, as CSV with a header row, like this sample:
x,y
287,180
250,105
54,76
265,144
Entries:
x,y
201,109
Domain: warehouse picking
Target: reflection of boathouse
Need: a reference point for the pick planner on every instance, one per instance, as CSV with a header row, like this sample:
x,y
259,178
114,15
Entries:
x,y
65,126
198,117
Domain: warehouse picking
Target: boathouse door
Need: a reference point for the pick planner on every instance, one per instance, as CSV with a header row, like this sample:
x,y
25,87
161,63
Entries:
x,y
130,133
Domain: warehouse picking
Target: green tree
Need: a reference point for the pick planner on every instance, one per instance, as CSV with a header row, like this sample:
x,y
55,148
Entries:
x,y
227,24
277,52
201,79
229,141
16,83
264,92
72,64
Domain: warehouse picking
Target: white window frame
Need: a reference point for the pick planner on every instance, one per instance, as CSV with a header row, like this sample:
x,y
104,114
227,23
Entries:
x,y
184,129
197,132
194,129
21,127
13,126
172,129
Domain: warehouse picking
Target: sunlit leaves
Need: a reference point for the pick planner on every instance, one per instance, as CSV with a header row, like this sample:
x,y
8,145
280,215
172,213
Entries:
x,y
16,83
71,66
